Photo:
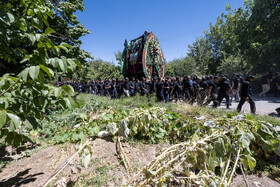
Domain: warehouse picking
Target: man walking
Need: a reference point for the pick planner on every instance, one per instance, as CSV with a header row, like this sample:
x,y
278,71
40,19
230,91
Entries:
x,y
246,94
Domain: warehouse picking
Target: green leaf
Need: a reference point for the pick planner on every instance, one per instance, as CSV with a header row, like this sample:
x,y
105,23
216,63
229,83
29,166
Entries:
x,y
3,117
61,138
54,62
24,74
32,123
66,45
26,58
61,65
15,119
49,31
62,47
86,159
277,149
3,132
34,71
57,92
32,38
211,165
9,138
219,147
36,21
93,131
251,162
244,162
48,71
75,136
81,135
68,89
265,130
245,139
11,17
17,140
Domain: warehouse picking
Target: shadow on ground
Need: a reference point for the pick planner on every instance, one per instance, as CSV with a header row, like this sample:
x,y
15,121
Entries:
x,y
20,179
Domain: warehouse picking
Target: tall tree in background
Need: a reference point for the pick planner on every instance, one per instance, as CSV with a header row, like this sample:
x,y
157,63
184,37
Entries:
x,y
200,51
249,36
262,49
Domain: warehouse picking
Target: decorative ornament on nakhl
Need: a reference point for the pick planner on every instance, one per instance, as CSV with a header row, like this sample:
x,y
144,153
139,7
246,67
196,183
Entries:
x,y
143,57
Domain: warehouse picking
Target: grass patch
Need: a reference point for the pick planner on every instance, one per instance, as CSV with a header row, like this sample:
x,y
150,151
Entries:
x,y
127,103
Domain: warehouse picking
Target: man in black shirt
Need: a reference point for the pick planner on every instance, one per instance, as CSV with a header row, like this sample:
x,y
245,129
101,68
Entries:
x,y
159,89
176,87
246,94
203,90
132,86
235,87
212,86
187,87
224,87
166,89
126,87
143,87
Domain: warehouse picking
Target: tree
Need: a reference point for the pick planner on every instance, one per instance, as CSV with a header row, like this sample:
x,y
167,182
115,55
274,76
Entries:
x,y
118,56
200,51
30,55
98,69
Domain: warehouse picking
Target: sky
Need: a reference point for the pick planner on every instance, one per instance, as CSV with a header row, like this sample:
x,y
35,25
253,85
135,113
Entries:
x,y
176,23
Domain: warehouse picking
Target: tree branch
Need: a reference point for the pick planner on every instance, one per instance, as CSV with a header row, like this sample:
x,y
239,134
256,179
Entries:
x,y
9,88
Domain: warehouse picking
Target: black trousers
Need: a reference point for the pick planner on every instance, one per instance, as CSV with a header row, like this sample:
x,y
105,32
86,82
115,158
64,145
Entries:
x,y
251,102
220,98
212,98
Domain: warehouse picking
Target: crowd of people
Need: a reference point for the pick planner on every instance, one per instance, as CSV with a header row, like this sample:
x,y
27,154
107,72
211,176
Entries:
x,y
190,89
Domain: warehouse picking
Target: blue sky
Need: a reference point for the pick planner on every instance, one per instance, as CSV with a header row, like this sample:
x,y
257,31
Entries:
x,y
176,23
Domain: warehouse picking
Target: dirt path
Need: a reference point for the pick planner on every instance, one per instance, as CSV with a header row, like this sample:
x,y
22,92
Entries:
x,y
105,168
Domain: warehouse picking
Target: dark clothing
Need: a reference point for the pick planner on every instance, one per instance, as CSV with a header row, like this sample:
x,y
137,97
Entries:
x,y
236,81
246,89
246,92
224,87
251,102
159,91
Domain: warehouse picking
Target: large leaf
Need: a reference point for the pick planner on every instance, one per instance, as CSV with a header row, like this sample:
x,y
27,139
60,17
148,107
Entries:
x,y
49,30
211,164
251,162
17,140
34,71
3,117
32,38
86,158
48,71
245,139
15,119
61,65
57,92
24,74
11,17
264,129
220,148
68,89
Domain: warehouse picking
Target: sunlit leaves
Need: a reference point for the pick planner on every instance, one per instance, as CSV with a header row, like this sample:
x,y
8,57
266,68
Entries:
x,y
3,117
49,30
28,42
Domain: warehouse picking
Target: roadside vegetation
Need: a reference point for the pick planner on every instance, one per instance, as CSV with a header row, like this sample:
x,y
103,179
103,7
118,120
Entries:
x,y
210,142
